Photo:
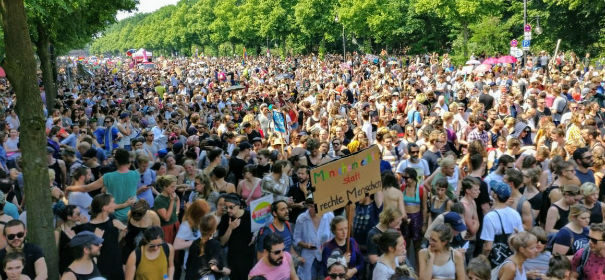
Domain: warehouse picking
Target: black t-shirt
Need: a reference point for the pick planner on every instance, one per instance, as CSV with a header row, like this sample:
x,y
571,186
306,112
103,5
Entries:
x,y
487,101
32,253
482,198
297,196
198,266
241,255
253,134
111,254
236,166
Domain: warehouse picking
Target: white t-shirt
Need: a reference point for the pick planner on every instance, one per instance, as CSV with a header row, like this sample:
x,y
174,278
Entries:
x,y
511,220
421,167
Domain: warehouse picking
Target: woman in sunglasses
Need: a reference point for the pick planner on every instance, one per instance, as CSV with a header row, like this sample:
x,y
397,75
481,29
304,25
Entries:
x,y
153,259
337,266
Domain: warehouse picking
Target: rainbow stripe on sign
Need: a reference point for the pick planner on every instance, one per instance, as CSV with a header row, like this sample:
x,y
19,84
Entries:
x,y
344,169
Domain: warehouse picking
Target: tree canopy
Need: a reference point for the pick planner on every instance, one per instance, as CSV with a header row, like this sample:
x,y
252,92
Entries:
x,y
460,27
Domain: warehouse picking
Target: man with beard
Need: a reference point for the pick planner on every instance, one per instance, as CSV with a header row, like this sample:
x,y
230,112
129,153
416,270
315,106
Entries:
x,y
419,164
583,159
235,231
281,226
299,192
277,263
87,246
35,264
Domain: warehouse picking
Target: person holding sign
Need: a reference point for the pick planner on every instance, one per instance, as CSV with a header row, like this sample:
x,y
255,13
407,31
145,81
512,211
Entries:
x,y
341,241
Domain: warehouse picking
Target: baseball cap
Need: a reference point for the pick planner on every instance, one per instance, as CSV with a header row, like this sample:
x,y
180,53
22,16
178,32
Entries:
x,y
85,238
501,189
455,221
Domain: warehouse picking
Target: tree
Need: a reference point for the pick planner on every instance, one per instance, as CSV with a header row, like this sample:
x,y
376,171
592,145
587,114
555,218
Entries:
x,y
461,13
20,67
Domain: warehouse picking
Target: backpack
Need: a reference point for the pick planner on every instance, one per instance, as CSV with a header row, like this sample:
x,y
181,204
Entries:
x,y
137,253
583,261
272,228
500,249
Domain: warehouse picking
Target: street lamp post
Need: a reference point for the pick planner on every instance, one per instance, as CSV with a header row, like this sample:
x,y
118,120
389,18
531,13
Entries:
x,y
344,50
537,30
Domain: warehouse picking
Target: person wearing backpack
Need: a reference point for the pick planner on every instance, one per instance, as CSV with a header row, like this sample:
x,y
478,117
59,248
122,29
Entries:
x,y
499,224
589,263
281,226
154,259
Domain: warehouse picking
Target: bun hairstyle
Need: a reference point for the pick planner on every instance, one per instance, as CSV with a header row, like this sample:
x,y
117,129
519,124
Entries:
x,y
164,181
521,239
139,209
387,239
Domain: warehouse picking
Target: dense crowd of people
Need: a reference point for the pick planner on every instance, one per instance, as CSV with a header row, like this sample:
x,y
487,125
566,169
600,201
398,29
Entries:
x,y
494,174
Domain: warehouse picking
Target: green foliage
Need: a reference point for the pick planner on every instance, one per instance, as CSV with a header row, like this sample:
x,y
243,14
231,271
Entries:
x,y
490,36
460,27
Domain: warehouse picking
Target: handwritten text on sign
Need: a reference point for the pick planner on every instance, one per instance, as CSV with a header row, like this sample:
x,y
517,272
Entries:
x,y
347,179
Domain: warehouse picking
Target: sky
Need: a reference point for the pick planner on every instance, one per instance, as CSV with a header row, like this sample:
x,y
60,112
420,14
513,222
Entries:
x,y
146,6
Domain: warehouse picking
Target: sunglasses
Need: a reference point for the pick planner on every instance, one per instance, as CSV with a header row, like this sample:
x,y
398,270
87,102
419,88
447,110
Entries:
x,y
153,246
594,240
277,252
337,275
414,152
405,177
17,235
231,207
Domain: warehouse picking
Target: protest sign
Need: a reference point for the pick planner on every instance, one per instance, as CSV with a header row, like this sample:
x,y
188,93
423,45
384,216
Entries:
x,y
347,179
260,212
279,121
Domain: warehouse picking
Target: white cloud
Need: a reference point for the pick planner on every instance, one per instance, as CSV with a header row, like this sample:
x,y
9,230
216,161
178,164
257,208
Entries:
x,y
146,6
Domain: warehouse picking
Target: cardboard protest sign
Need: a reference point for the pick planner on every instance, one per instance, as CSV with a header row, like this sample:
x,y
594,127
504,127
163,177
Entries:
x,y
260,212
347,179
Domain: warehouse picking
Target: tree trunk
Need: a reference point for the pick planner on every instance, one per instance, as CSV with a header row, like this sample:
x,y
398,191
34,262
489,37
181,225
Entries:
x,y
465,33
42,48
20,67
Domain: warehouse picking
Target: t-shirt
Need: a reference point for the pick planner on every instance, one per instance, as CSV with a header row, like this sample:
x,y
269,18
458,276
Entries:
x,y
163,202
281,272
573,240
593,269
432,159
32,253
585,177
122,186
511,220
286,234
421,167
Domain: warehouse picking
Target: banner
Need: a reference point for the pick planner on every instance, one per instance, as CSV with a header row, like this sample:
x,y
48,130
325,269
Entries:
x,y
280,122
260,212
346,180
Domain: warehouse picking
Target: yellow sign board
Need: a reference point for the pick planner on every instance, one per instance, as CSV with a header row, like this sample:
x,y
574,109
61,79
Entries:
x,y
346,180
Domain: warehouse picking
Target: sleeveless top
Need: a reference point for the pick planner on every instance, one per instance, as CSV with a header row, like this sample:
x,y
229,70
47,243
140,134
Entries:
x,y
596,213
94,274
563,217
131,240
518,275
437,211
65,255
152,269
412,201
447,270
